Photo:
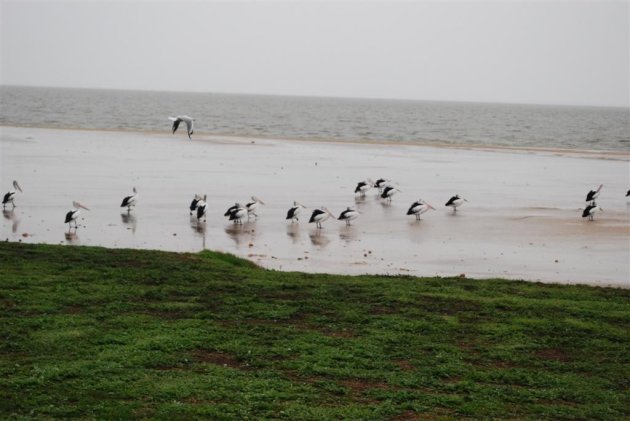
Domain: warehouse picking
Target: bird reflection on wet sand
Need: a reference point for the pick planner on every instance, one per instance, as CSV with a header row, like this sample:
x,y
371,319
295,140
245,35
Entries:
x,y
348,233
293,232
241,233
71,237
318,239
130,221
12,216
199,228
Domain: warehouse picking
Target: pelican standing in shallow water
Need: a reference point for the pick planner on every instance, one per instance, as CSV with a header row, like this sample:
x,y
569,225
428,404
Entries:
x,y
202,207
348,215
455,202
381,183
194,203
252,206
185,119
294,212
591,210
73,215
320,215
418,208
10,195
130,201
363,187
238,213
388,192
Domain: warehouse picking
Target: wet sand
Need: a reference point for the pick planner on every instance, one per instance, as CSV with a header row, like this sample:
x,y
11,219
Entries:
x,y
522,221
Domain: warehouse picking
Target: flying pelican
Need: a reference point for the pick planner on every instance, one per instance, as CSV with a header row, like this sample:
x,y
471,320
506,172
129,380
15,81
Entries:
x,y
381,183
388,192
320,215
8,197
202,206
185,119
130,201
591,210
294,212
73,215
194,203
363,186
455,202
238,214
348,215
418,208
252,206
593,194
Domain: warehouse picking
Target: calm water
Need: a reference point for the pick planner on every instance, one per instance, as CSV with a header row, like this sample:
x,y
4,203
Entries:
x,y
322,118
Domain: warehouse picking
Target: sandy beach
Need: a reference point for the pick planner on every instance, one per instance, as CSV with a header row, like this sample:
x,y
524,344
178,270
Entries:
x,y
522,221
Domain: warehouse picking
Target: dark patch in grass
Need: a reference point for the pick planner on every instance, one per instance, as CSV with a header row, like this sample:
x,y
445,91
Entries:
x,y
554,354
219,358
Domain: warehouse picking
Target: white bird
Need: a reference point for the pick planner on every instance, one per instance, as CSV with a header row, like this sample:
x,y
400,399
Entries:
x,y
73,215
130,201
252,206
294,212
363,187
189,124
593,194
591,210
381,183
418,208
8,197
388,192
194,203
320,215
238,213
455,202
348,215
202,206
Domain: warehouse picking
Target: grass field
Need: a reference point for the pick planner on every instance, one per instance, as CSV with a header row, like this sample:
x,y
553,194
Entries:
x,y
98,333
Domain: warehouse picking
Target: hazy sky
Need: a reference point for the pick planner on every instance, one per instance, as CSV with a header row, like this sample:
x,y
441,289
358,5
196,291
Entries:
x,y
533,52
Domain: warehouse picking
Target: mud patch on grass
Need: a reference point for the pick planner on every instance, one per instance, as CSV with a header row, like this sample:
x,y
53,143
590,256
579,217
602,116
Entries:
x,y
553,354
219,358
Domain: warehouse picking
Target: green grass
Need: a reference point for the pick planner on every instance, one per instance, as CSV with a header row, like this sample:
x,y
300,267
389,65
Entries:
x,y
97,333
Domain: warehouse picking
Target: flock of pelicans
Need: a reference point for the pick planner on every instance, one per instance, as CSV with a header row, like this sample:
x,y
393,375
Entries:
x,y
238,212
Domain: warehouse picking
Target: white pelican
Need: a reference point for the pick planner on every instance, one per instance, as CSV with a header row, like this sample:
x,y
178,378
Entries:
x,y
320,215
202,206
381,183
418,208
363,186
388,192
238,214
73,215
455,202
294,212
193,204
185,119
130,201
8,197
232,209
252,206
348,215
591,210
593,194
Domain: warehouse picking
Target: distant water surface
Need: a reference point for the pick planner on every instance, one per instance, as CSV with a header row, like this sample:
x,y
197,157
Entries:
x,y
340,119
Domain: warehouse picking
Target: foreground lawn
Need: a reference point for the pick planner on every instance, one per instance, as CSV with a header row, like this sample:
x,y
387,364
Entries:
x,y
97,333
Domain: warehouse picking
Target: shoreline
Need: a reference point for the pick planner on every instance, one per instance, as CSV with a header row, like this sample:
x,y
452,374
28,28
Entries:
x,y
522,220
216,137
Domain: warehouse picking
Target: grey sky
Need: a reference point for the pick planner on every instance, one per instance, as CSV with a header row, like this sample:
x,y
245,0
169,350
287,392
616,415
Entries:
x,y
531,52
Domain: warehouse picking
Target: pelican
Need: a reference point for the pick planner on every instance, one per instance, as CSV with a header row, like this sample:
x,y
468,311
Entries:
x,y
73,215
363,186
294,212
185,119
593,194
130,201
388,192
455,202
320,215
10,195
202,206
232,209
381,183
238,214
252,206
348,215
628,194
591,210
418,208
194,203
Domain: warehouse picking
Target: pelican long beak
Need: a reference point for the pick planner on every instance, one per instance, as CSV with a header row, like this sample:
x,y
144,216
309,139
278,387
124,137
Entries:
x,y
430,207
465,200
17,186
84,207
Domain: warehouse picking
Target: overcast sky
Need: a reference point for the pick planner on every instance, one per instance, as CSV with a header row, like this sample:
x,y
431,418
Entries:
x,y
530,52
